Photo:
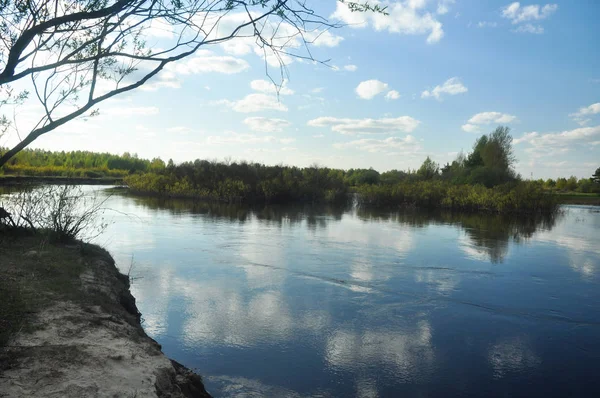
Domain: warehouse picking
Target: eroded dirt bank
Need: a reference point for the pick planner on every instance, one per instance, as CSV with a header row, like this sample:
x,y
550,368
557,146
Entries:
x,y
75,329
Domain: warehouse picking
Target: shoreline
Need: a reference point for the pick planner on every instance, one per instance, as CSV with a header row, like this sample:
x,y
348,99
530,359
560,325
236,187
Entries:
x,y
10,180
75,329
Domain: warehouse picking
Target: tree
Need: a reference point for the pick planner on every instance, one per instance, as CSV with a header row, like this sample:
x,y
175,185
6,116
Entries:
x,y
571,183
596,176
498,151
71,55
491,162
549,183
561,184
429,169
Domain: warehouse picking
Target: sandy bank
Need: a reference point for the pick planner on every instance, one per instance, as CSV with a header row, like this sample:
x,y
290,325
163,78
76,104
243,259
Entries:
x,y
76,328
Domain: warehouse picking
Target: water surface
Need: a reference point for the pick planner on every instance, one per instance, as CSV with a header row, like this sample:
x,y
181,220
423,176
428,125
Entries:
x,y
307,301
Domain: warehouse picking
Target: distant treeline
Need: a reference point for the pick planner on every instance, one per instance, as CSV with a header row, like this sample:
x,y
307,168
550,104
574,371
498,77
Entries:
x,y
37,162
483,179
243,182
571,184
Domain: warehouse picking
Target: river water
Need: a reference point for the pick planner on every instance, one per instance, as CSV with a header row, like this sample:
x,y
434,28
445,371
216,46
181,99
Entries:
x,y
300,301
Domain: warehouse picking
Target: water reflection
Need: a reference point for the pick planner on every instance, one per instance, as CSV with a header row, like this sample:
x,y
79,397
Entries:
x,y
573,235
303,301
409,352
513,355
485,235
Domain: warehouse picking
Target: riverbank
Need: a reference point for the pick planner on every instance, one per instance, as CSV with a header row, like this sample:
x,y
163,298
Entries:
x,y
573,198
22,180
69,327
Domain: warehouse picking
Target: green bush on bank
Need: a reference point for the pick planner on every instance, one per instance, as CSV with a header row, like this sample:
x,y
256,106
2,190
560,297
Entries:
x,y
519,197
243,183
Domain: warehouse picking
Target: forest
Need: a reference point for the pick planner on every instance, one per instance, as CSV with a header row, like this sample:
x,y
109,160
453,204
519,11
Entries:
x,y
38,162
481,180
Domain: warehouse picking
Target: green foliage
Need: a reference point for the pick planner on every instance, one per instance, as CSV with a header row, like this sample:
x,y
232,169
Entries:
x,y
242,182
481,180
596,176
561,184
490,163
429,169
356,177
37,162
520,197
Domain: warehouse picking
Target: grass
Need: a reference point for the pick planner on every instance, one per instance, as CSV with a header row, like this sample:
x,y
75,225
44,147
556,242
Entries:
x,y
36,273
577,198
33,271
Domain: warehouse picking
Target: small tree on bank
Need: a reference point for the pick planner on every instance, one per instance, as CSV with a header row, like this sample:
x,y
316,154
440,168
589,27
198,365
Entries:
x,y
491,162
429,169
76,54
596,176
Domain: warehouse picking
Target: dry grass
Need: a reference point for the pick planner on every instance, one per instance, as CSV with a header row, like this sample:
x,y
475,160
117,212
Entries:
x,y
36,273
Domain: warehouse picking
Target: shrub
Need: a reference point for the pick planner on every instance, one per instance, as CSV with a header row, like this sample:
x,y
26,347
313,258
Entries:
x,y
66,212
520,197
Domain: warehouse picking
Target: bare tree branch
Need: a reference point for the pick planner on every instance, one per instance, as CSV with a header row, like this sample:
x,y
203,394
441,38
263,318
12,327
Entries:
x,y
67,47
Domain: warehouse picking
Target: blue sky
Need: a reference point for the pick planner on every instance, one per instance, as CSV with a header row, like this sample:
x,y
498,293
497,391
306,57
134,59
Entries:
x,y
426,80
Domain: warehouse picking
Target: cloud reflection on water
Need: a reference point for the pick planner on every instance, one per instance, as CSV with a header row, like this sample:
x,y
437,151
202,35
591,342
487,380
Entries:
x,y
513,355
255,280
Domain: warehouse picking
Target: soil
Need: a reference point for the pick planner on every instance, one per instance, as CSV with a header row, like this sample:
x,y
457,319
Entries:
x,y
75,329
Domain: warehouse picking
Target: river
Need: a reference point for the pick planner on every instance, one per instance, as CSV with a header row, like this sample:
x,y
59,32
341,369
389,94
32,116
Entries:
x,y
301,301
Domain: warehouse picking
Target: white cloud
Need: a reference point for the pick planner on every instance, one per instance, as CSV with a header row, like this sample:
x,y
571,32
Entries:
x,y
559,139
130,111
470,128
407,144
322,38
408,17
581,116
370,88
272,58
452,86
486,24
254,103
166,79
517,14
206,61
392,95
179,130
530,28
160,28
487,118
444,6
317,90
266,125
279,34
235,138
268,87
491,117
351,68
556,144
405,124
